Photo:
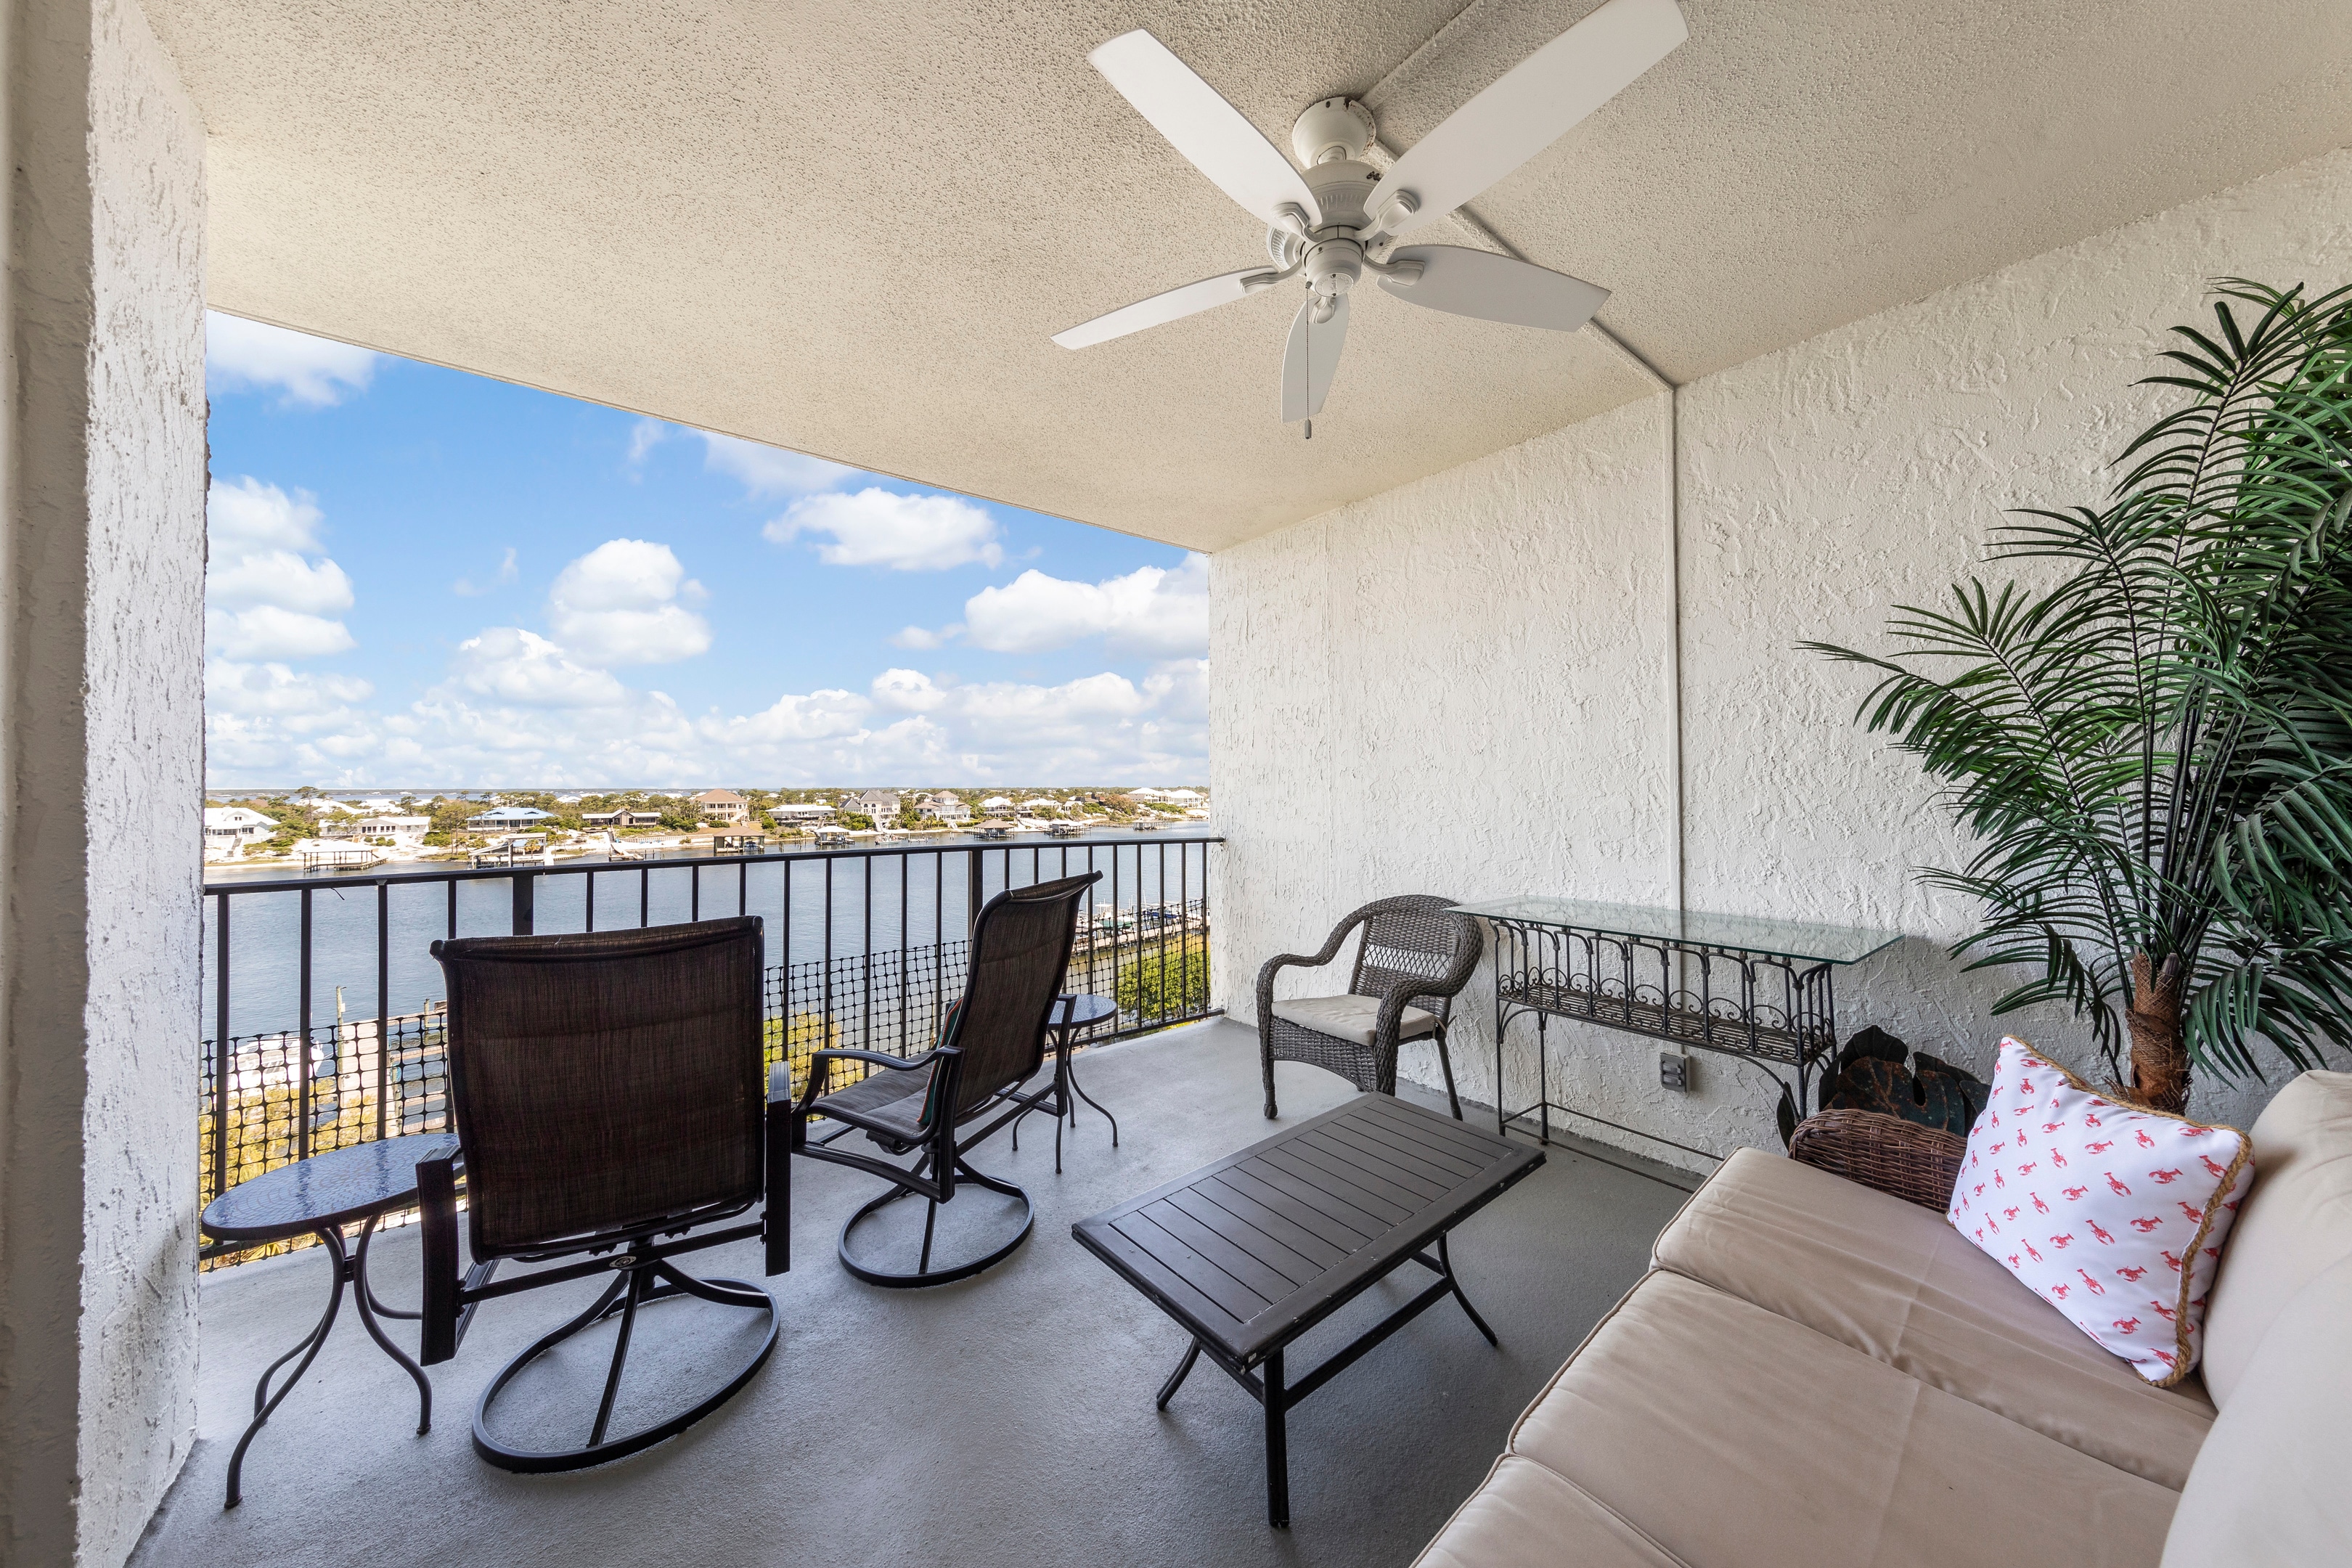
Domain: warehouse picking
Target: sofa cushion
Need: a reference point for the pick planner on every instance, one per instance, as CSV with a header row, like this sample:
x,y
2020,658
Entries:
x,y
1353,1018
2269,1487
2295,1222
1897,1283
1524,1516
1733,1437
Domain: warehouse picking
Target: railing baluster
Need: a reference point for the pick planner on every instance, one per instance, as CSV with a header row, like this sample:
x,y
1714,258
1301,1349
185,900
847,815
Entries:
x,y
383,1002
523,911
588,903
221,1054
865,965
644,897
302,1065
902,953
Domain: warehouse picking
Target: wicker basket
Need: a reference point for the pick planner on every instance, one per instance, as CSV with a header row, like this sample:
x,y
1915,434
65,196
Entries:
x,y
1919,1164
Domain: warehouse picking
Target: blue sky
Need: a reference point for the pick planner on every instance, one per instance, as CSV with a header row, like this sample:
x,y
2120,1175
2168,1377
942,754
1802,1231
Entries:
x,y
422,577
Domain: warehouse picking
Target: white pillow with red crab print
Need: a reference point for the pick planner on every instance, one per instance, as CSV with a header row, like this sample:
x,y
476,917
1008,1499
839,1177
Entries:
x,y
2115,1216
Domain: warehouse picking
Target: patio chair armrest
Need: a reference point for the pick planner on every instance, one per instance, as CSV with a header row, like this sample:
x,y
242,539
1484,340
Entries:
x,y
1902,1159
776,1212
939,1099
442,1319
825,1058
1282,960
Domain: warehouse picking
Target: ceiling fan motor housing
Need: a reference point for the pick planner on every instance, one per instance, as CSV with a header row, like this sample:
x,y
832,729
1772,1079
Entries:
x,y
1331,129
1343,194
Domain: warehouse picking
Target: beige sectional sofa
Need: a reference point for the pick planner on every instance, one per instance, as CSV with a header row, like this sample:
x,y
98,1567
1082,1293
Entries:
x,y
1818,1374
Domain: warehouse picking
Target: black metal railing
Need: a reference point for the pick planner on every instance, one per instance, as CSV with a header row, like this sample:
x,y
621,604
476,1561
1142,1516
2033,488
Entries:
x,y
867,947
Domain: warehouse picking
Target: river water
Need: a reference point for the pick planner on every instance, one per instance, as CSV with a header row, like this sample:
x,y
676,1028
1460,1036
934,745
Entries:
x,y
878,902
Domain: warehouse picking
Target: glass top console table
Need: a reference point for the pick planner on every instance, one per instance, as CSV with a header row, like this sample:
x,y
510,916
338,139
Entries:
x,y
1738,985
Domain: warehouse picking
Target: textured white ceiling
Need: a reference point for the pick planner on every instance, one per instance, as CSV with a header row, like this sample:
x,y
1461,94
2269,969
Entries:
x,y
849,229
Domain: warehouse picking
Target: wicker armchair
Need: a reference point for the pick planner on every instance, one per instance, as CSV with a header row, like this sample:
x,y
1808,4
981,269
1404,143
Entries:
x,y
1416,958
1903,1158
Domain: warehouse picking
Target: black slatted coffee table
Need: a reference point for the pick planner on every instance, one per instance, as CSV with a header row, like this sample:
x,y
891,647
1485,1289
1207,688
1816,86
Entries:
x,y
1250,1253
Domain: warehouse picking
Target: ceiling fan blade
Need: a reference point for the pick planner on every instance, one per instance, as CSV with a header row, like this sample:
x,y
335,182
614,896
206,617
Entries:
x,y
1191,300
1202,126
1495,288
1311,359
1529,106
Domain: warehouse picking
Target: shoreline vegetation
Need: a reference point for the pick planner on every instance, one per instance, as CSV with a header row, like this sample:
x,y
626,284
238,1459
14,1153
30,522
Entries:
x,y
314,827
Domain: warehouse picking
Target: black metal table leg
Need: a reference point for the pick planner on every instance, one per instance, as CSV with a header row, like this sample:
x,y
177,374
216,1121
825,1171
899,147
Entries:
x,y
264,1402
1445,1263
1071,1070
364,1296
1277,1452
1176,1379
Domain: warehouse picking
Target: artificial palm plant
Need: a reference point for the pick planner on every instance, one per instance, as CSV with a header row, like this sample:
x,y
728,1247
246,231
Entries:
x,y
2155,753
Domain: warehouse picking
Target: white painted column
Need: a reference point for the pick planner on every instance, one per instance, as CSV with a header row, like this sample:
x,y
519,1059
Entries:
x,y
101,752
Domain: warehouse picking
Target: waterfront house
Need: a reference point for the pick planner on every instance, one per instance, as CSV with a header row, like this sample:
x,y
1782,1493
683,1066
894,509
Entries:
x,y
506,818
722,805
621,816
802,811
943,807
395,827
881,804
229,828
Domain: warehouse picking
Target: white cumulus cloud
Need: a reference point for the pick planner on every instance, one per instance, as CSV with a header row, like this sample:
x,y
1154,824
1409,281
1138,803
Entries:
x,y
875,527
760,469
908,691
1151,610
619,604
267,632
279,578
511,665
266,596
316,373
278,691
242,515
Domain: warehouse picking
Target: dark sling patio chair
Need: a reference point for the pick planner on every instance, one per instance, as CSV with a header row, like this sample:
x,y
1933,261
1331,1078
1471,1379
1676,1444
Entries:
x,y
991,1042
1416,958
610,1099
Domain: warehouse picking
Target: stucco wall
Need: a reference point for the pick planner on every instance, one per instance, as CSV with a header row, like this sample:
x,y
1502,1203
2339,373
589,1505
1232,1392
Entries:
x,y
101,854
1462,686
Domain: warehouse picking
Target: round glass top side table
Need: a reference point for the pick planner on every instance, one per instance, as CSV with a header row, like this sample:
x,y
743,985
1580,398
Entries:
x,y
318,1196
1070,1016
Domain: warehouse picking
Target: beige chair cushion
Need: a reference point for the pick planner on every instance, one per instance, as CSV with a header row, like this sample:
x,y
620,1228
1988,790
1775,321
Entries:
x,y
2295,1222
2270,1488
1524,1516
1897,1283
1351,1018
1736,1438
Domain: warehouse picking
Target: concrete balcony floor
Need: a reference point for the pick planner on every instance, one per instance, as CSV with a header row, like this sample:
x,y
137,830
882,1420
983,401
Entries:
x,y
1005,1420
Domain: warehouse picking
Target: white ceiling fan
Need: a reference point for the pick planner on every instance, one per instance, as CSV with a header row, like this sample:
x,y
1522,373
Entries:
x,y
1343,217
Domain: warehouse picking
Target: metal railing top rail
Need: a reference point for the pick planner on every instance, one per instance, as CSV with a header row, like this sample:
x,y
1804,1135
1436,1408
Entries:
x,y
559,868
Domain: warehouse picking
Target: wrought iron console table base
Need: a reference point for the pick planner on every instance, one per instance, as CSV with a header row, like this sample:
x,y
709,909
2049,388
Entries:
x,y
1754,989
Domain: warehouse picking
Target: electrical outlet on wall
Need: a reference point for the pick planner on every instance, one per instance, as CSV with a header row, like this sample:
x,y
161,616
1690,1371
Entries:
x,y
1674,1071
